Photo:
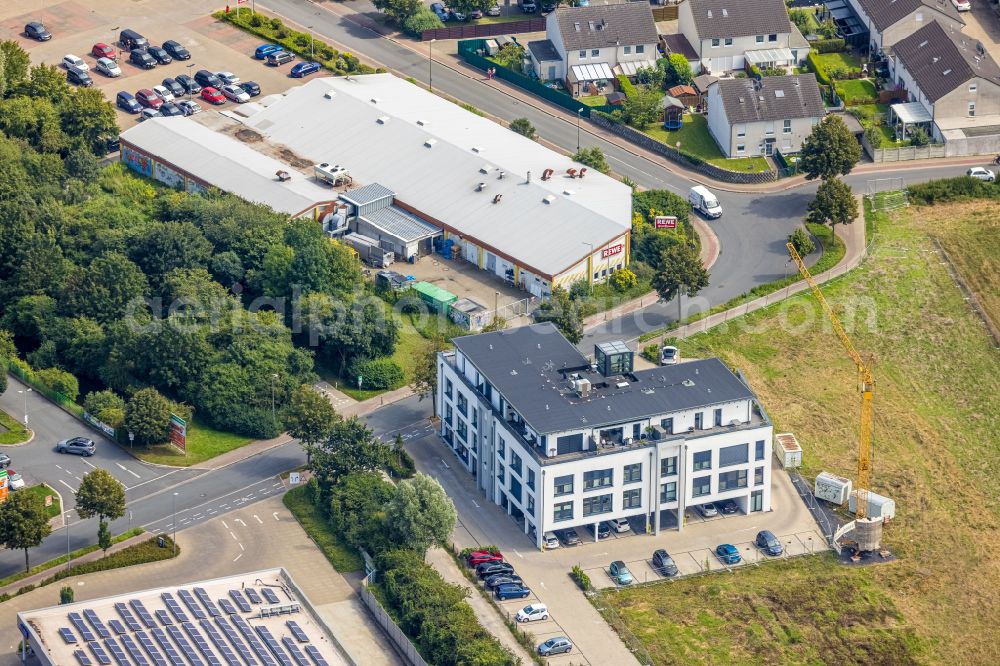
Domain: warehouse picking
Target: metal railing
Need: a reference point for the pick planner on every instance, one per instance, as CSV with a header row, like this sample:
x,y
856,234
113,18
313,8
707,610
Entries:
x,y
403,644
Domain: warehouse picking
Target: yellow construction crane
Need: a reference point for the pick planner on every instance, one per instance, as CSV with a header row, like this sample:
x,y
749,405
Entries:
x,y
867,381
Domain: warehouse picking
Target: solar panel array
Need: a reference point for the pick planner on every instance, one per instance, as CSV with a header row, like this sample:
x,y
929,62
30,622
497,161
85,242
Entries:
x,y
273,645
207,602
143,614
294,650
95,622
133,649
67,635
168,648
253,596
220,643
127,616
151,649
163,617
269,594
117,652
185,647
316,656
192,604
117,627
235,639
296,630
174,607
85,632
99,653
252,641
82,657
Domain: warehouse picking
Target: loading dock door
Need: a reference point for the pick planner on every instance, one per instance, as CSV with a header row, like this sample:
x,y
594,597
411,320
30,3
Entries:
x,y
491,262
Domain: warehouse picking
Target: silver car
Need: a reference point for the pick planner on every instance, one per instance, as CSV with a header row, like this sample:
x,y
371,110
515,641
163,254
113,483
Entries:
x,y
235,94
708,510
189,107
80,446
108,67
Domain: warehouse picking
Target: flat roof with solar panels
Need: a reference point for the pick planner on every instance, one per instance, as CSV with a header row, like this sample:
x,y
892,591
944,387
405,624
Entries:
x,y
254,619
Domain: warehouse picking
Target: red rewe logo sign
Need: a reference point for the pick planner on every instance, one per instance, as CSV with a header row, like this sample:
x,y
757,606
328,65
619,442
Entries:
x,y
613,250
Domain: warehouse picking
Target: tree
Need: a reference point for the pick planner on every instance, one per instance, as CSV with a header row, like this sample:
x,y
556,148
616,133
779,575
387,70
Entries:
x,y
103,536
398,10
147,416
107,406
680,272
105,289
642,108
23,523
161,247
310,418
919,137
623,279
424,19
829,150
834,204
677,71
523,127
358,507
350,447
46,82
651,76
421,514
498,323
425,372
562,312
101,495
363,331
467,6
801,241
510,56
88,115
592,157
66,595
14,63
59,381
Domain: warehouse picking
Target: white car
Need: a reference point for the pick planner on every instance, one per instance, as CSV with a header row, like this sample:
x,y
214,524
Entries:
x,y
235,94
669,356
962,5
14,480
493,11
619,525
228,78
74,61
533,612
108,67
163,93
981,173
189,107
708,510
550,540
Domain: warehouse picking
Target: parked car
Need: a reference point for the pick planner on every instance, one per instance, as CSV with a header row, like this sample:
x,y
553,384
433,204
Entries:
x,y
569,537
441,12
962,5
108,67
497,580
130,39
548,6
663,564
458,16
37,31
528,6
4,460
476,14
102,50
206,79
163,93
212,96
175,49
768,543
493,11
14,480
981,174
79,77
148,113
264,50
478,557
148,98
142,59
603,531
550,540
235,94
189,107
484,571
160,54
619,525
108,144
176,89
170,109
252,88
79,445
728,554
190,85
304,69
556,645
505,592
279,57
708,510
727,506
70,60
670,355
620,573
532,612
228,78
126,102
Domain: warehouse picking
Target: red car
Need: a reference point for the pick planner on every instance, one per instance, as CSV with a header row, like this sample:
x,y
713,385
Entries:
x,y
213,96
481,556
103,51
148,99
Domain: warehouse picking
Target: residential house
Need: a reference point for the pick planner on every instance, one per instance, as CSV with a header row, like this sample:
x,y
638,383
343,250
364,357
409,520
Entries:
x,y
725,34
590,45
748,117
953,78
890,21
558,442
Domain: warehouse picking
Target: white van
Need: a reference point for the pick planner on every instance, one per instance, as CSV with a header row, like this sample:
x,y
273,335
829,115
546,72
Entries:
x,y
704,202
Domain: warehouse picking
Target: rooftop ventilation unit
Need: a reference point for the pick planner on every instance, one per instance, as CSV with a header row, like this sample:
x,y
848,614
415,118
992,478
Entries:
x,y
688,383
486,168
480,187
375,100
946,72
422,122
430,142
334,174
569,193
621,385
477,149
549,198
330,94
382,120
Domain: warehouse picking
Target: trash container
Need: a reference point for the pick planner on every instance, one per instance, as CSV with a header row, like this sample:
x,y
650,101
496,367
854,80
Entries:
x,y
161,542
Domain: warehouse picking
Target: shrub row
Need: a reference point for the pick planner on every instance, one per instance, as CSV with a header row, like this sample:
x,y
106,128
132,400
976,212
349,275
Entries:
x,y
401,465
140,553
952,189
835,45
580,578
625,85
376,374
817,69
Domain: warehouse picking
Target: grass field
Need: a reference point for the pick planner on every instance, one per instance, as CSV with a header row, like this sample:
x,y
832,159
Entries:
x,y
936,446
855,90
695,138
341,556
593,100
12,431
202,443
42,490
838,60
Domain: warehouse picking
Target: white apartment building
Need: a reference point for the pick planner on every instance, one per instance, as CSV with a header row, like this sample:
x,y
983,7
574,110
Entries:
x,y
560,442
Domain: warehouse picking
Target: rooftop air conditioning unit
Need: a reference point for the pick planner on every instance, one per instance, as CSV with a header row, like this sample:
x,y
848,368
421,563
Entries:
x,y
583,387
622,385
331,173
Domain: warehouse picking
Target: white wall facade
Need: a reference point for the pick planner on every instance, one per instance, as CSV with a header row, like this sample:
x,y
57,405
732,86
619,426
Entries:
x,y
903,28
751,139
727,53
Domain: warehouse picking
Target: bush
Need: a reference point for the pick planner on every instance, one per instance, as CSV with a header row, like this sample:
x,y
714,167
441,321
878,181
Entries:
x,y
59,381
140,553
919,137
873,133
623,280
817,69
256,422
147,416
651,353
423,19
377,374
835,45
579,290
952,189
523,127
580,578
801,241
625,85
256,21
276,24
106,406
465,552
66,595
302,40
401,465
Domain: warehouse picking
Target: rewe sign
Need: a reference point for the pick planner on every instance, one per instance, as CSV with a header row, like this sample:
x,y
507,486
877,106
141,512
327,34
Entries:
x,y
665,222
612,251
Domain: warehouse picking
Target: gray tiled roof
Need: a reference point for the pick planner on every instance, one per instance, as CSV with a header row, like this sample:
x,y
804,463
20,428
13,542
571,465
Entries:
x,y
777,98
544,51
940,60
527,364
885,13
606,25
717,19
678,43
397,222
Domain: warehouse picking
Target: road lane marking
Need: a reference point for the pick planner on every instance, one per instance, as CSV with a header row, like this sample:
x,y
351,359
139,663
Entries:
x,y
476,505
240,521
67,485
275,514
225,525
234,536
87,462
237,557
519,554
257,518
127,470
241,547
197,515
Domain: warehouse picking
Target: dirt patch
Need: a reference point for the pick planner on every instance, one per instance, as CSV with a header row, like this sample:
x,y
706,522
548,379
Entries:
x,y
293,159
248,136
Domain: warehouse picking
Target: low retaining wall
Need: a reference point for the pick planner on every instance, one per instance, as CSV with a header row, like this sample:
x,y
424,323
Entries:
x,y
904,154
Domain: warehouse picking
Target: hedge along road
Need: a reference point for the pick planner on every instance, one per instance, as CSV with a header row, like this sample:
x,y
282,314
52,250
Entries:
x,y
751,233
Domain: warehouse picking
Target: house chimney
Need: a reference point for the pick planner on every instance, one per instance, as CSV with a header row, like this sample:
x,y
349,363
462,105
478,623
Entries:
x,y
497,198
529,176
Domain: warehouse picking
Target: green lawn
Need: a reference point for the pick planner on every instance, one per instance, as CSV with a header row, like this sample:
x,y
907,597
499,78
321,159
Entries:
x,y
856,89
203,443
500,19
42,491
45,566
838,60
12,431
695,138
593,100
341,556
871,110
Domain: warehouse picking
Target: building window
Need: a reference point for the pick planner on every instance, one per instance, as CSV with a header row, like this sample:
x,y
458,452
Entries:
x,y
757,500
731,480
501,449
741,131
759,450
701,486
729,41
583,55
787,127
595,53
769,129
632,499
597,274
447,388
515,490
699,419
462,430
563,485
475,418
633,473
563,511
668,492
628,50
772,38
715,43
972,108
599,478
702,460
973,87
760,39
447,414
500,475
668,466
758,476
463,405
741,148
531,505
734,455
515,463
597,504
668,425
717,417
641,48
531,479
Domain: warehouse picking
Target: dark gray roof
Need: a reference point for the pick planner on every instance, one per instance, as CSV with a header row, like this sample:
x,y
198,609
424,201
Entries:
x,y
543,50
367,194
598,26
528,366
397,222
777,98
739,18
885,13
940,60
702,82
678,43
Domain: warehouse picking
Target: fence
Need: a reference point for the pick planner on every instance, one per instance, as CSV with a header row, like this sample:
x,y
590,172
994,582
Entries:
x,y
56,397
389,626
665,13
469,50
904,154
473,30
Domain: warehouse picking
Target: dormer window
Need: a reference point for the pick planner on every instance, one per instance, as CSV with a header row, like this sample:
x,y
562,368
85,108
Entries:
x,y
973,87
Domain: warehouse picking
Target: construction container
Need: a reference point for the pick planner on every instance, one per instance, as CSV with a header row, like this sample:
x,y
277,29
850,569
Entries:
x,y
435,297
832,488
787,450
879,506
370,251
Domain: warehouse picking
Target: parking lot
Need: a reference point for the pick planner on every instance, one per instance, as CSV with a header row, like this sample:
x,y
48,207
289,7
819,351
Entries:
x,y
464,280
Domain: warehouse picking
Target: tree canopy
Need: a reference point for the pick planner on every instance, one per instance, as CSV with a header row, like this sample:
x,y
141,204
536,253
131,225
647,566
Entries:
x,y
829,150
680,273
564,313
834,204
23,523
421,514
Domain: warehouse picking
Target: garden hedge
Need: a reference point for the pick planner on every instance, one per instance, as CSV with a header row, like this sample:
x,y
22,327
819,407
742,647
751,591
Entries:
x,y
817,69
625,85
835,45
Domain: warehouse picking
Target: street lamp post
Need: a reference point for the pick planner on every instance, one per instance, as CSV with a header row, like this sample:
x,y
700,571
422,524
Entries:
x,y
579,114
430,64
312,48
175,524
66,522
25,392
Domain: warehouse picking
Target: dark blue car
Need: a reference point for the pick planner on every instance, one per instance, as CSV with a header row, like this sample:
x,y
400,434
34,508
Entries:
x,y
504,592
304,69
768,543
728,553
264,49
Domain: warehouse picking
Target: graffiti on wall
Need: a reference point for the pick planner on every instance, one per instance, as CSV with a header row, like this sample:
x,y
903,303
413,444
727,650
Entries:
x,y
137,161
